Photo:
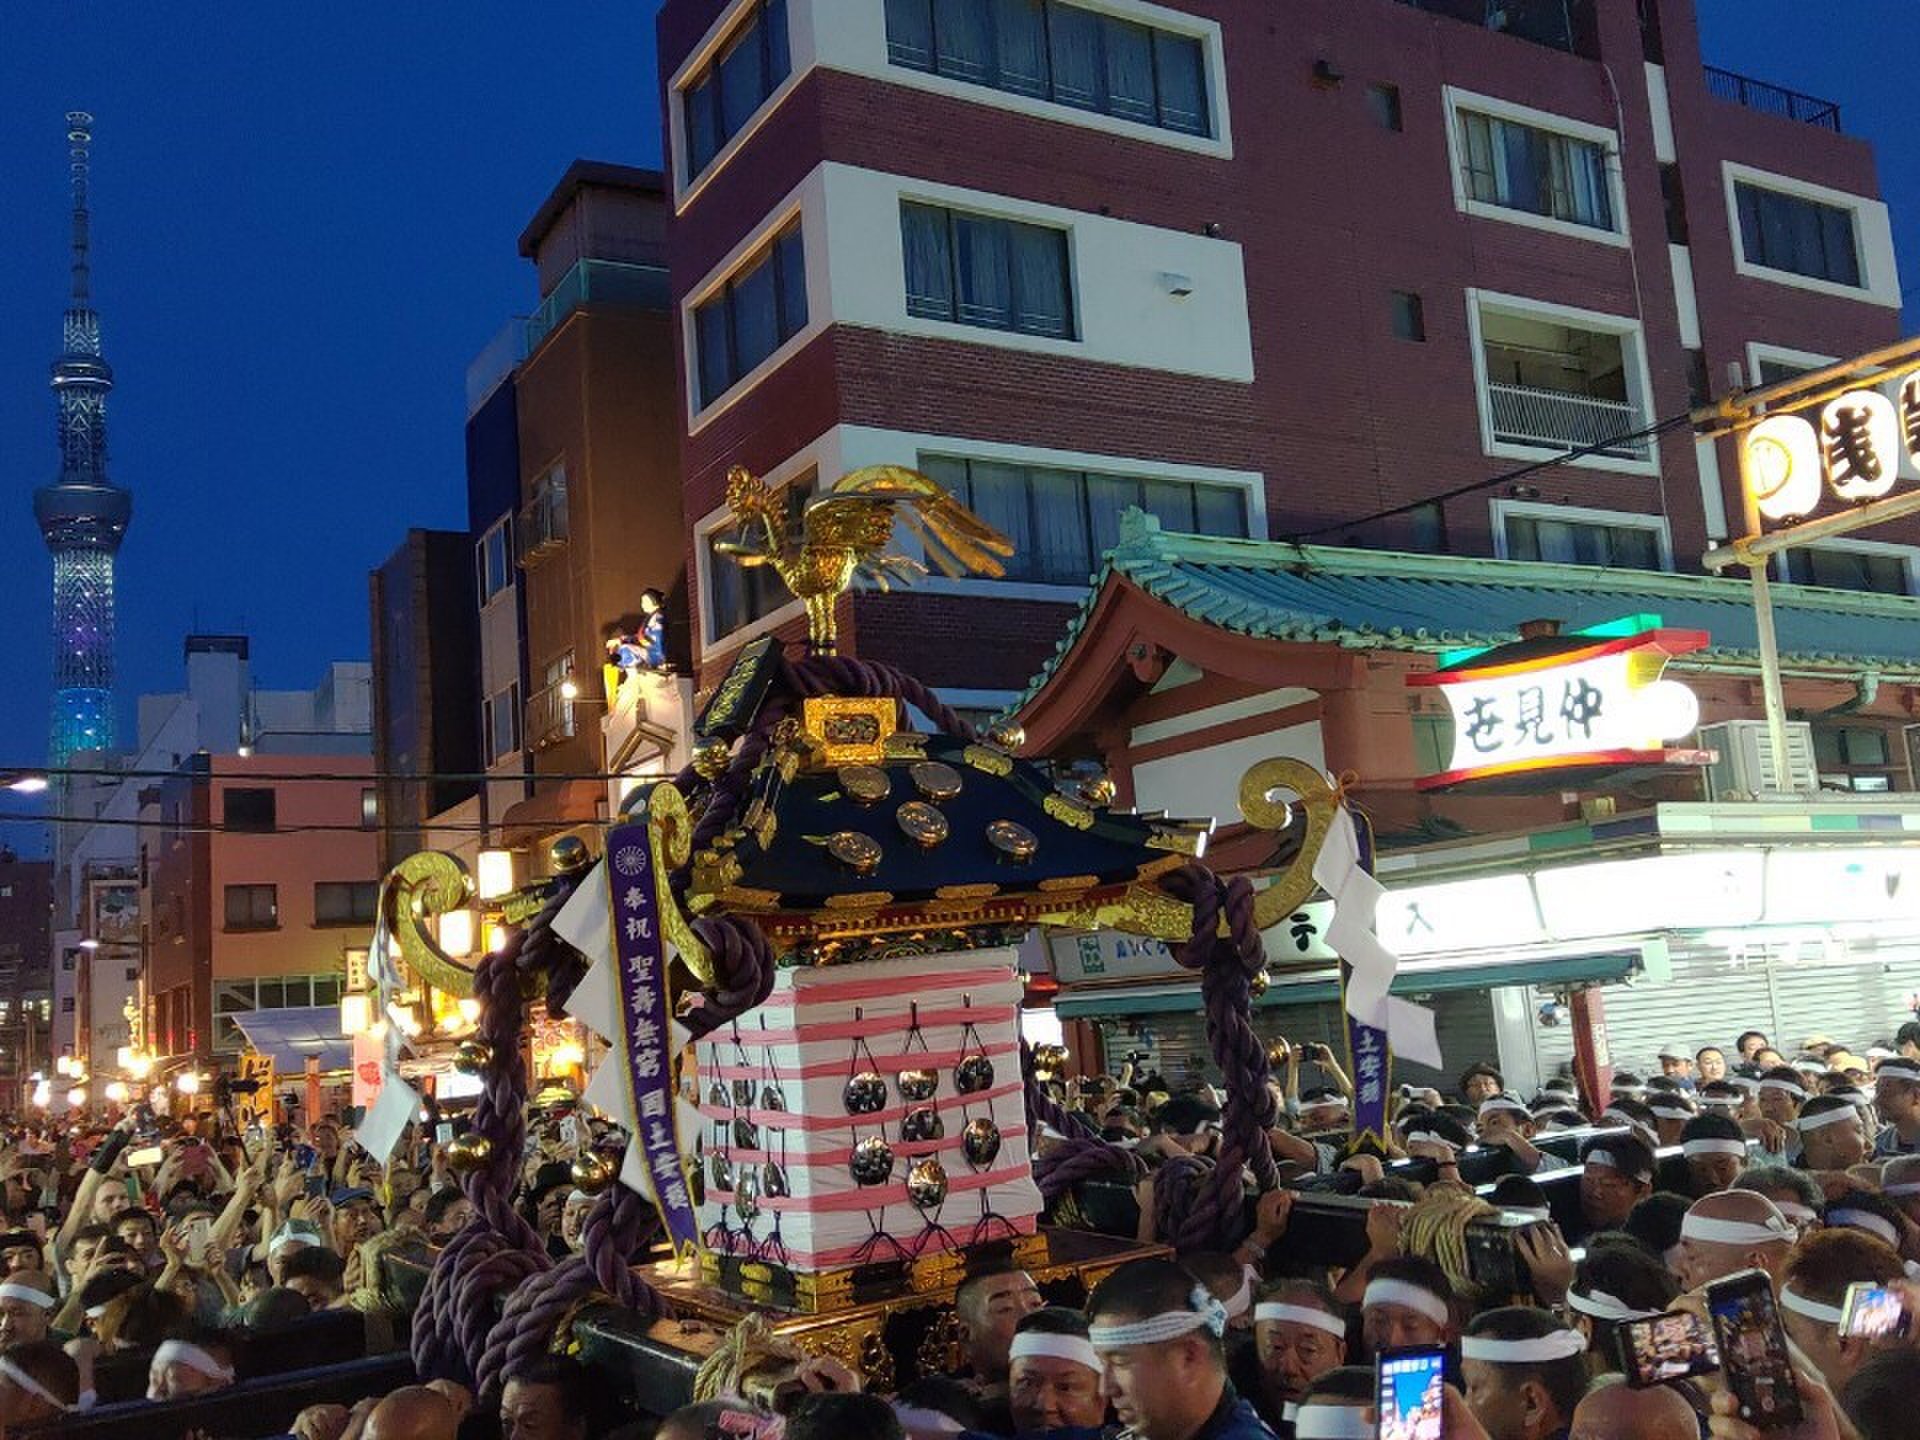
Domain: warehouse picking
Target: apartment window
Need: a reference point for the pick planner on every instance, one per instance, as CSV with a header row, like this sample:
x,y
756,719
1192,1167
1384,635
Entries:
x,y
1409,316
1620,546
1560,383
493,559
344,902
1843,569
544,524
760,307
253,907
1522,167
500,719
726,93
1051,50
1800,236
740,594
1772,372
248,809
1063,521
1855,756
993,273
369,809
1383,102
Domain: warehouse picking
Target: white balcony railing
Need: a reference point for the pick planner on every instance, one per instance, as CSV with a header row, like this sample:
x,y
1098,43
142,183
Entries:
x,y
1559,420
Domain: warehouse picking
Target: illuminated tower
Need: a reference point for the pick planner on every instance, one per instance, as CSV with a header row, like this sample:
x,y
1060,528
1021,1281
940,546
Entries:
x,y
82,515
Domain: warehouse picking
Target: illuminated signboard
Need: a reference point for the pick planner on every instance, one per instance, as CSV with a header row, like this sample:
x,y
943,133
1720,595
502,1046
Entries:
x,y
1578,701
1853,452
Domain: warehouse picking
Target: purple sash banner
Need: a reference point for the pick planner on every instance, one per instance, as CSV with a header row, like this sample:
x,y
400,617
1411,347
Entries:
x,y
646,1010
1369,1058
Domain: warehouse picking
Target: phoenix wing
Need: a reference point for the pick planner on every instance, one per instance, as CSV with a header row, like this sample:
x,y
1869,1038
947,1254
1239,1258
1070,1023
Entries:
x,y
860,511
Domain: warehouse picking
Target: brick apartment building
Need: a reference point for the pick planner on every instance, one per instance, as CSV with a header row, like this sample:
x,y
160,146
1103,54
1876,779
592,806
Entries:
x,y
26,960
1261,269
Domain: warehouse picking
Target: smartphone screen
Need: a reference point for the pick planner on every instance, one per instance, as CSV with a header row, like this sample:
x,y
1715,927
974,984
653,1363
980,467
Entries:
x,y
1753,1349
316,1184
198,1230
151,1155
443,1133
1411,1385
1874,1313
1668,1347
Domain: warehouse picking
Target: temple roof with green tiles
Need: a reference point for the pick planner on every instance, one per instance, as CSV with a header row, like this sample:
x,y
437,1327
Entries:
x,y
1386,600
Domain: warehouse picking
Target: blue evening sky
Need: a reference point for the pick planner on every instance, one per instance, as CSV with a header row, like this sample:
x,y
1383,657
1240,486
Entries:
x,y
305,220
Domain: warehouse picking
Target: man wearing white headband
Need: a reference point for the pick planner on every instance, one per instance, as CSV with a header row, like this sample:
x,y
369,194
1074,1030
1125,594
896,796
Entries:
x,y
184,1367
1782,1092
1299,1335
1408,1302
1729,1232
1502,1120
26,1307
1158,1333
1054,1382
1896,1094
1715,1152
1523,1373
1813,1294
1618,1175
39,1382
1832,1135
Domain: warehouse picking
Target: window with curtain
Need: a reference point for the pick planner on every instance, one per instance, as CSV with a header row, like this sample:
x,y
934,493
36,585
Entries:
x,y
1052,50
983,271
740,594
1521,167
1788,232
723,95
758,309
1063,521
1576,542
1839,569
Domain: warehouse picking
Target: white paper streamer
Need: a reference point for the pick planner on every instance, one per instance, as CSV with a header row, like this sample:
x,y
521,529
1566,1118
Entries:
x,y
1410,1028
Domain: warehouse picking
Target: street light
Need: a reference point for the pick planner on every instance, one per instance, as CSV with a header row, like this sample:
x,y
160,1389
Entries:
x,y
27,784
188,1084
569,690
89,944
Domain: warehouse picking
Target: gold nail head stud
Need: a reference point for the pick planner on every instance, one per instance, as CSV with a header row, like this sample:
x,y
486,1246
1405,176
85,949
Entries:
x,y
865,784
922,824
935,781
1012,840
859,853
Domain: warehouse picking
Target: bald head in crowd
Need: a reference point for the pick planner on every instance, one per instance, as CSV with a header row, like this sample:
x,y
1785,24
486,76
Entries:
x,y
1656,1413
412,1413
1729,1232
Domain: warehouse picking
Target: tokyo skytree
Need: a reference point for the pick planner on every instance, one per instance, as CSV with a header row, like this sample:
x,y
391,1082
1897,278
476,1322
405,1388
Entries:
x,y
82,515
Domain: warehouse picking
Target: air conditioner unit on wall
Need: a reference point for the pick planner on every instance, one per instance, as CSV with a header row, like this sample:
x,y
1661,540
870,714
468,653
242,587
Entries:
x,y
1745,767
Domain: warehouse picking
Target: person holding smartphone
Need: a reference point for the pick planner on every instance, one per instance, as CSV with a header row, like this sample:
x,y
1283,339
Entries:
x,y
1813,1294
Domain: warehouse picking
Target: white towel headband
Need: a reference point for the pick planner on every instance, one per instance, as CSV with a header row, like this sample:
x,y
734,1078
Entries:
x,y
1713,1147
1867,1221
1826,1118
1900,1069
1713,1231
1909,1187
1796,1212
1301,1315
1798,1092
1812,1309
1613,1162
185,1352
14,1290
1671,1108
1039,1344
917,1420
1542,1349
1599,1305
12,1370
1331,1422
1427,1137
1409,1297
1207,1311
1242,1299
1501,1102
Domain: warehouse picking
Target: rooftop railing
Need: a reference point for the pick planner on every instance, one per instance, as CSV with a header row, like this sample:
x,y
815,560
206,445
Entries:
x,y
1773,99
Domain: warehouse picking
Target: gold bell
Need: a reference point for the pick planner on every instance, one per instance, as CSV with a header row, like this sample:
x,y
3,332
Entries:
x,y
711,758
1257,983
1277,1054
1008,736
470,1057
591,1173
469,1152
1050,1058
1100,790
568,854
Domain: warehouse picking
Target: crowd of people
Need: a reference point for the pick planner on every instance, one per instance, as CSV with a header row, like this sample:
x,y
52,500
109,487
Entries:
x,y
147,1261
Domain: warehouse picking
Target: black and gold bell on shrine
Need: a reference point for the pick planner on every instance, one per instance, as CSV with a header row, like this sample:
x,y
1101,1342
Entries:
x,y
872,1162
980,1142
865,1094
927,1184
973,1074
922,1124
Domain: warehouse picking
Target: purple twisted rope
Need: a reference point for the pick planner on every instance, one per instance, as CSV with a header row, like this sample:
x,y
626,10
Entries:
x,y
497,1248
1207,1212
1081,1156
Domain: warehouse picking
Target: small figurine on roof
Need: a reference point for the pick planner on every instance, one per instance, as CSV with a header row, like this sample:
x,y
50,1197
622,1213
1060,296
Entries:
x,y
646,647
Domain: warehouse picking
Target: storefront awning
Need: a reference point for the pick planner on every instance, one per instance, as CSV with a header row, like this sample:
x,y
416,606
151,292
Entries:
x,y
555,808
291,1036
1323,989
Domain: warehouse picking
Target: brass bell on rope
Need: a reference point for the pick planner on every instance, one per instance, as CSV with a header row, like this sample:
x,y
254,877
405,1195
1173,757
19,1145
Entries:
x,y
568,854
469,1152
1277,1054
1049,1061
470,1057
1258,982
1100,790
711,758
591,1173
